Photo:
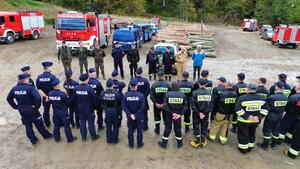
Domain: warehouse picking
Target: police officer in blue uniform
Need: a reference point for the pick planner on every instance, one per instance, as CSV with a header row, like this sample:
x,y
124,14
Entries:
x,y
43,84
60,103
70,85
133,104
85,102
111,101
143,87
118,54
157,93
97,86
175,105
186,87
26,70
118,86
26,99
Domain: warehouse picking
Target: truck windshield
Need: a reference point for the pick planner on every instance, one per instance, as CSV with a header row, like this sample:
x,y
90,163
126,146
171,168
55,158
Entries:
x,y
154,21
70,24
2,21
163,49
123,36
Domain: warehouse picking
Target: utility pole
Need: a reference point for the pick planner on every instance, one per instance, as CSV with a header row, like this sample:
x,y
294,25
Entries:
x,y
164,3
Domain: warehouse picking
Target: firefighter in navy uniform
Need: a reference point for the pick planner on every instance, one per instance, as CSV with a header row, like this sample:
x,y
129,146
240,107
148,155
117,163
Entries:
x,y
287,89
133,57
186,87
261,89
204,75
43,84
225,102
168,62
294,107
157,94
215,94
201,105
240,89
97,86
26,99
143,87
152,60
85,103
111,100
175,105
276,103
250,108
133,104
69,86
118,86
60,103
26,70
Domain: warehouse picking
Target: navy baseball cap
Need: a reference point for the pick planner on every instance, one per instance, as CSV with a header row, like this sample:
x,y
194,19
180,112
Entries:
x,y
252,86
139,70
222,79
25,68
185,74
92,70
202,81
109,83
161,73
23,76
133,82
241,76
114,73
83,77
47,64
55,82
282,76
69,73
204,73
280,84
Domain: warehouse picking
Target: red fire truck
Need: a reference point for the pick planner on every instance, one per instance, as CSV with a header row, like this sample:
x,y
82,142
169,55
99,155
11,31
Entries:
x,y
90,28
155,21
20,24
285,35
249,25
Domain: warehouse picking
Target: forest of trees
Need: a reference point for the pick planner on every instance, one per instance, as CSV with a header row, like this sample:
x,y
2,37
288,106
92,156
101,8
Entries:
x,y
221,11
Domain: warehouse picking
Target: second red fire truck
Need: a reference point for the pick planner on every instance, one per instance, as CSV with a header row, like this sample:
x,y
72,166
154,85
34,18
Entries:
x,y
285,35
90,28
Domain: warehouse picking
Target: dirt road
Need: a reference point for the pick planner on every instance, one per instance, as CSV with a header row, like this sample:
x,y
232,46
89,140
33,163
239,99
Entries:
x,y
237,52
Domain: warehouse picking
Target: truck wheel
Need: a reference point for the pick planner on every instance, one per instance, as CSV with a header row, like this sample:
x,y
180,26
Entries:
x,y
272,42
35,35
10,38
280,45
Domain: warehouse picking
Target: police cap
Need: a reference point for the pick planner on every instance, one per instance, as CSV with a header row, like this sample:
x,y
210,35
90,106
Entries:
x,y
55,82
92,70
139,70
109,83
252,86
83,77
161,73
23,76
114,73
280,85
133,82
47,64
68,73
25,68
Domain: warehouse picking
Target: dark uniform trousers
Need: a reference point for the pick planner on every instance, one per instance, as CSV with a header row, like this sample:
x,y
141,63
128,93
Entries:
x,y
99,112
83,62
145,120
38,122
132,125
64,119
73,115
168,71
120,65
200,126
272,125
158,112
152,70
90,119
46,114
187,115
295,142
133,67
168,128
286,127
112,122
246,136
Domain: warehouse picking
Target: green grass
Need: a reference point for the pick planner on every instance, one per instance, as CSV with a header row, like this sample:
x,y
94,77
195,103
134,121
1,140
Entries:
x,y
50,11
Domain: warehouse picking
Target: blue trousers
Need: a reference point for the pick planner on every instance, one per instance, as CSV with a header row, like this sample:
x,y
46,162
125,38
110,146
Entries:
x,y
73,115
46,115
64,118
120,65
85,119
287,124
38,122
112,125
132,126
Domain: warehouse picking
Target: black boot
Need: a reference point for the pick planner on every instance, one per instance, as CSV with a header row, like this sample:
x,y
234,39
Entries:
x,y
154,77
274,143
233,129
170,78
265,144
187,128
163,143
179,143
157,129
150,78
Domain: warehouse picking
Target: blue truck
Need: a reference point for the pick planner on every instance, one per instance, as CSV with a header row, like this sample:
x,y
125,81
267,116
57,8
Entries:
x,y
146,30
127,36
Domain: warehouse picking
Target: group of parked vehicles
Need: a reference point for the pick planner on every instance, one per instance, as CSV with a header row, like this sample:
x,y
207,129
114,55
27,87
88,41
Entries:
x,y
282,35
